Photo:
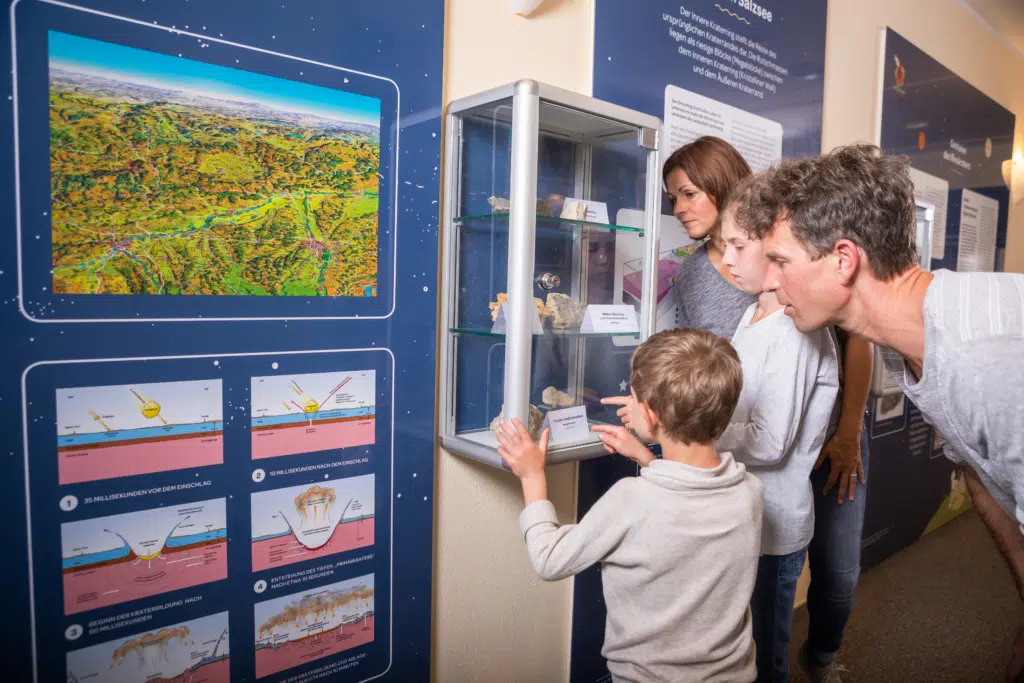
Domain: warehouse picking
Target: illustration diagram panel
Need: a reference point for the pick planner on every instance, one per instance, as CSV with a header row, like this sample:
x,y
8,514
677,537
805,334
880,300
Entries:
x,y
131,429
195,651
306,522
110,560
307,626
305,413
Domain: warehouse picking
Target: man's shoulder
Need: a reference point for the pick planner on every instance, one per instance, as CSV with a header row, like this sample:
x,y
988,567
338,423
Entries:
x,y
986,363
974,306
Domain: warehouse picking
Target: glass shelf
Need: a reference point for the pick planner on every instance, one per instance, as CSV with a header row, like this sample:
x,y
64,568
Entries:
x,y
552,221
547,334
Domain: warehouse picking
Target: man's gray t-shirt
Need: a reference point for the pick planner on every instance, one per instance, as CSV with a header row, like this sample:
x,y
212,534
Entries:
x,y
972,383
705,300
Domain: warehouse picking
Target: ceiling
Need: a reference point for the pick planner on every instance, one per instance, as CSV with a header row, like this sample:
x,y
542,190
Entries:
x,y
1006,17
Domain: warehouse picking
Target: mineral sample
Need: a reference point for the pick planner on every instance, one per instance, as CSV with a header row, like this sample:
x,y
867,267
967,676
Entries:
x,y
502,298
556,399
566,312
574,211
536,421
502,205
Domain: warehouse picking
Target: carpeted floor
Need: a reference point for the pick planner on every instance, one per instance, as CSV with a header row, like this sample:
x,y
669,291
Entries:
x,y
944,609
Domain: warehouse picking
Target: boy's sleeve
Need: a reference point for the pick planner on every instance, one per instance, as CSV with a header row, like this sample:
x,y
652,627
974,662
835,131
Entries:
x,y
559,551
783,394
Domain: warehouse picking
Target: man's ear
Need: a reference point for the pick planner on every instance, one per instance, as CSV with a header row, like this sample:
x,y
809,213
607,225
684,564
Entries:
x,y
848,257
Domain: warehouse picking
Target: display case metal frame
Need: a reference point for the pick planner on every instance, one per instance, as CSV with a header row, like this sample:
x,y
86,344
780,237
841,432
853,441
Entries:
x,y
524,118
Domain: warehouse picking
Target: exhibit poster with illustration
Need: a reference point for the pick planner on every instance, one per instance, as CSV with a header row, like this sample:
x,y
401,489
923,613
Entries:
x,y
751,73
957,139
218,311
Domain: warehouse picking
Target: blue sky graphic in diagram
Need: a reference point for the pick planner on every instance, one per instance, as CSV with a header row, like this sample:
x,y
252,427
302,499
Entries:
x,y
138,411
283,399
100,58
143,533
312,511
199,647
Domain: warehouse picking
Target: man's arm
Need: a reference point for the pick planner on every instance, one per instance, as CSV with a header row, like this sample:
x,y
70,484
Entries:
x,y
843,449
1003,528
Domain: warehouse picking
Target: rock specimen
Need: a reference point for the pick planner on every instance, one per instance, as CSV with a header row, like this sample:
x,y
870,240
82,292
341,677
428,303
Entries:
x,y
502,298
556,399
574,211
536,421
502,205
566,312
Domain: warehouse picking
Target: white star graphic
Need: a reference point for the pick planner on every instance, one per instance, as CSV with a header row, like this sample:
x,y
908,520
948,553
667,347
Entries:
x,y
622,385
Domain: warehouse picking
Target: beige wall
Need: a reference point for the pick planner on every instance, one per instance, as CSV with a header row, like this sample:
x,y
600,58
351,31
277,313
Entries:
x,y
493,620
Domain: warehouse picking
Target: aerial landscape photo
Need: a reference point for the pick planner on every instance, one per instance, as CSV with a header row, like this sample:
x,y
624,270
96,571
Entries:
x,y
173,176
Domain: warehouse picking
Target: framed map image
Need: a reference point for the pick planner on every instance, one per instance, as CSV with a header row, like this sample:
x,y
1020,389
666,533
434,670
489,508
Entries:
x,y
176,186
170,176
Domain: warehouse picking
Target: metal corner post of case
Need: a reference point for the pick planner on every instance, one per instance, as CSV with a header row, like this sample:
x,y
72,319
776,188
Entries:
x,y
522,232
449,279
652,225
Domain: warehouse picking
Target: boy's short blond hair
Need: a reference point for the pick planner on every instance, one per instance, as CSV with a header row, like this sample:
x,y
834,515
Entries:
x,y
691,379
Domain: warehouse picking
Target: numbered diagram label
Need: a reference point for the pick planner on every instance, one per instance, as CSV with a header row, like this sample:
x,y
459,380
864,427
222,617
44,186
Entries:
x,y
109,560
307,626
189,652
130,429
294,414
306,522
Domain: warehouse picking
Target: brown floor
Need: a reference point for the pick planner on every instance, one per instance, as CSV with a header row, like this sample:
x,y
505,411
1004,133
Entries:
x,y
944,609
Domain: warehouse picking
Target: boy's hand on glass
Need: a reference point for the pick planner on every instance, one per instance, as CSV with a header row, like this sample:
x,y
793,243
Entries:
x,y
622,441
623,411
525,458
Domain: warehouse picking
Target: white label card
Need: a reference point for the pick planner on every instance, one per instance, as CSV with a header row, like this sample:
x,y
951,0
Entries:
x,y
597,212
500,323
569,425
979,221
604,318
934,191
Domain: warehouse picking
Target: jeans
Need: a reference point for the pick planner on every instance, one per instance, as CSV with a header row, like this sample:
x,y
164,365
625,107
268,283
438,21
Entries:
x,y
771,609
834,555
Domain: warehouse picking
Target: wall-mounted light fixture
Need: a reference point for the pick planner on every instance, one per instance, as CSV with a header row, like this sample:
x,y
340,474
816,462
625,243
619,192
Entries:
x,y
523,8
1013,176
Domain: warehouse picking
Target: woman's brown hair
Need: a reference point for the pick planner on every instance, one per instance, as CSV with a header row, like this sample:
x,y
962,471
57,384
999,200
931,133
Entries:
x,y
712,164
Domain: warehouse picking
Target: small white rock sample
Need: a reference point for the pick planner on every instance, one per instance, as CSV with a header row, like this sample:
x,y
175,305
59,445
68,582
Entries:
x,y
499,204
536,421
566,312
574,211
502,205
556,399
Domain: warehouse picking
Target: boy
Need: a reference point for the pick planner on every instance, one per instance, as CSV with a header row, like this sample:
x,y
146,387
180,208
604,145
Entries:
x,y
790,383
678,544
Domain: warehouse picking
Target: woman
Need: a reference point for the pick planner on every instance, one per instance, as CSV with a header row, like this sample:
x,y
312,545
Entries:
x,y
699,177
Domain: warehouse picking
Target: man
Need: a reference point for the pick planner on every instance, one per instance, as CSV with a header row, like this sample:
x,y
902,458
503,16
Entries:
x,y
839,230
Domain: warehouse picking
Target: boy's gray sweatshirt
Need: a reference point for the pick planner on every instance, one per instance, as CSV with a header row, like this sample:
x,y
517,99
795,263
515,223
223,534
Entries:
x,y
679,548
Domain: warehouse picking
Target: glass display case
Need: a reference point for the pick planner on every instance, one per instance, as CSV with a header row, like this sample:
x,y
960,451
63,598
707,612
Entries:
x,y
882,383
552,202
